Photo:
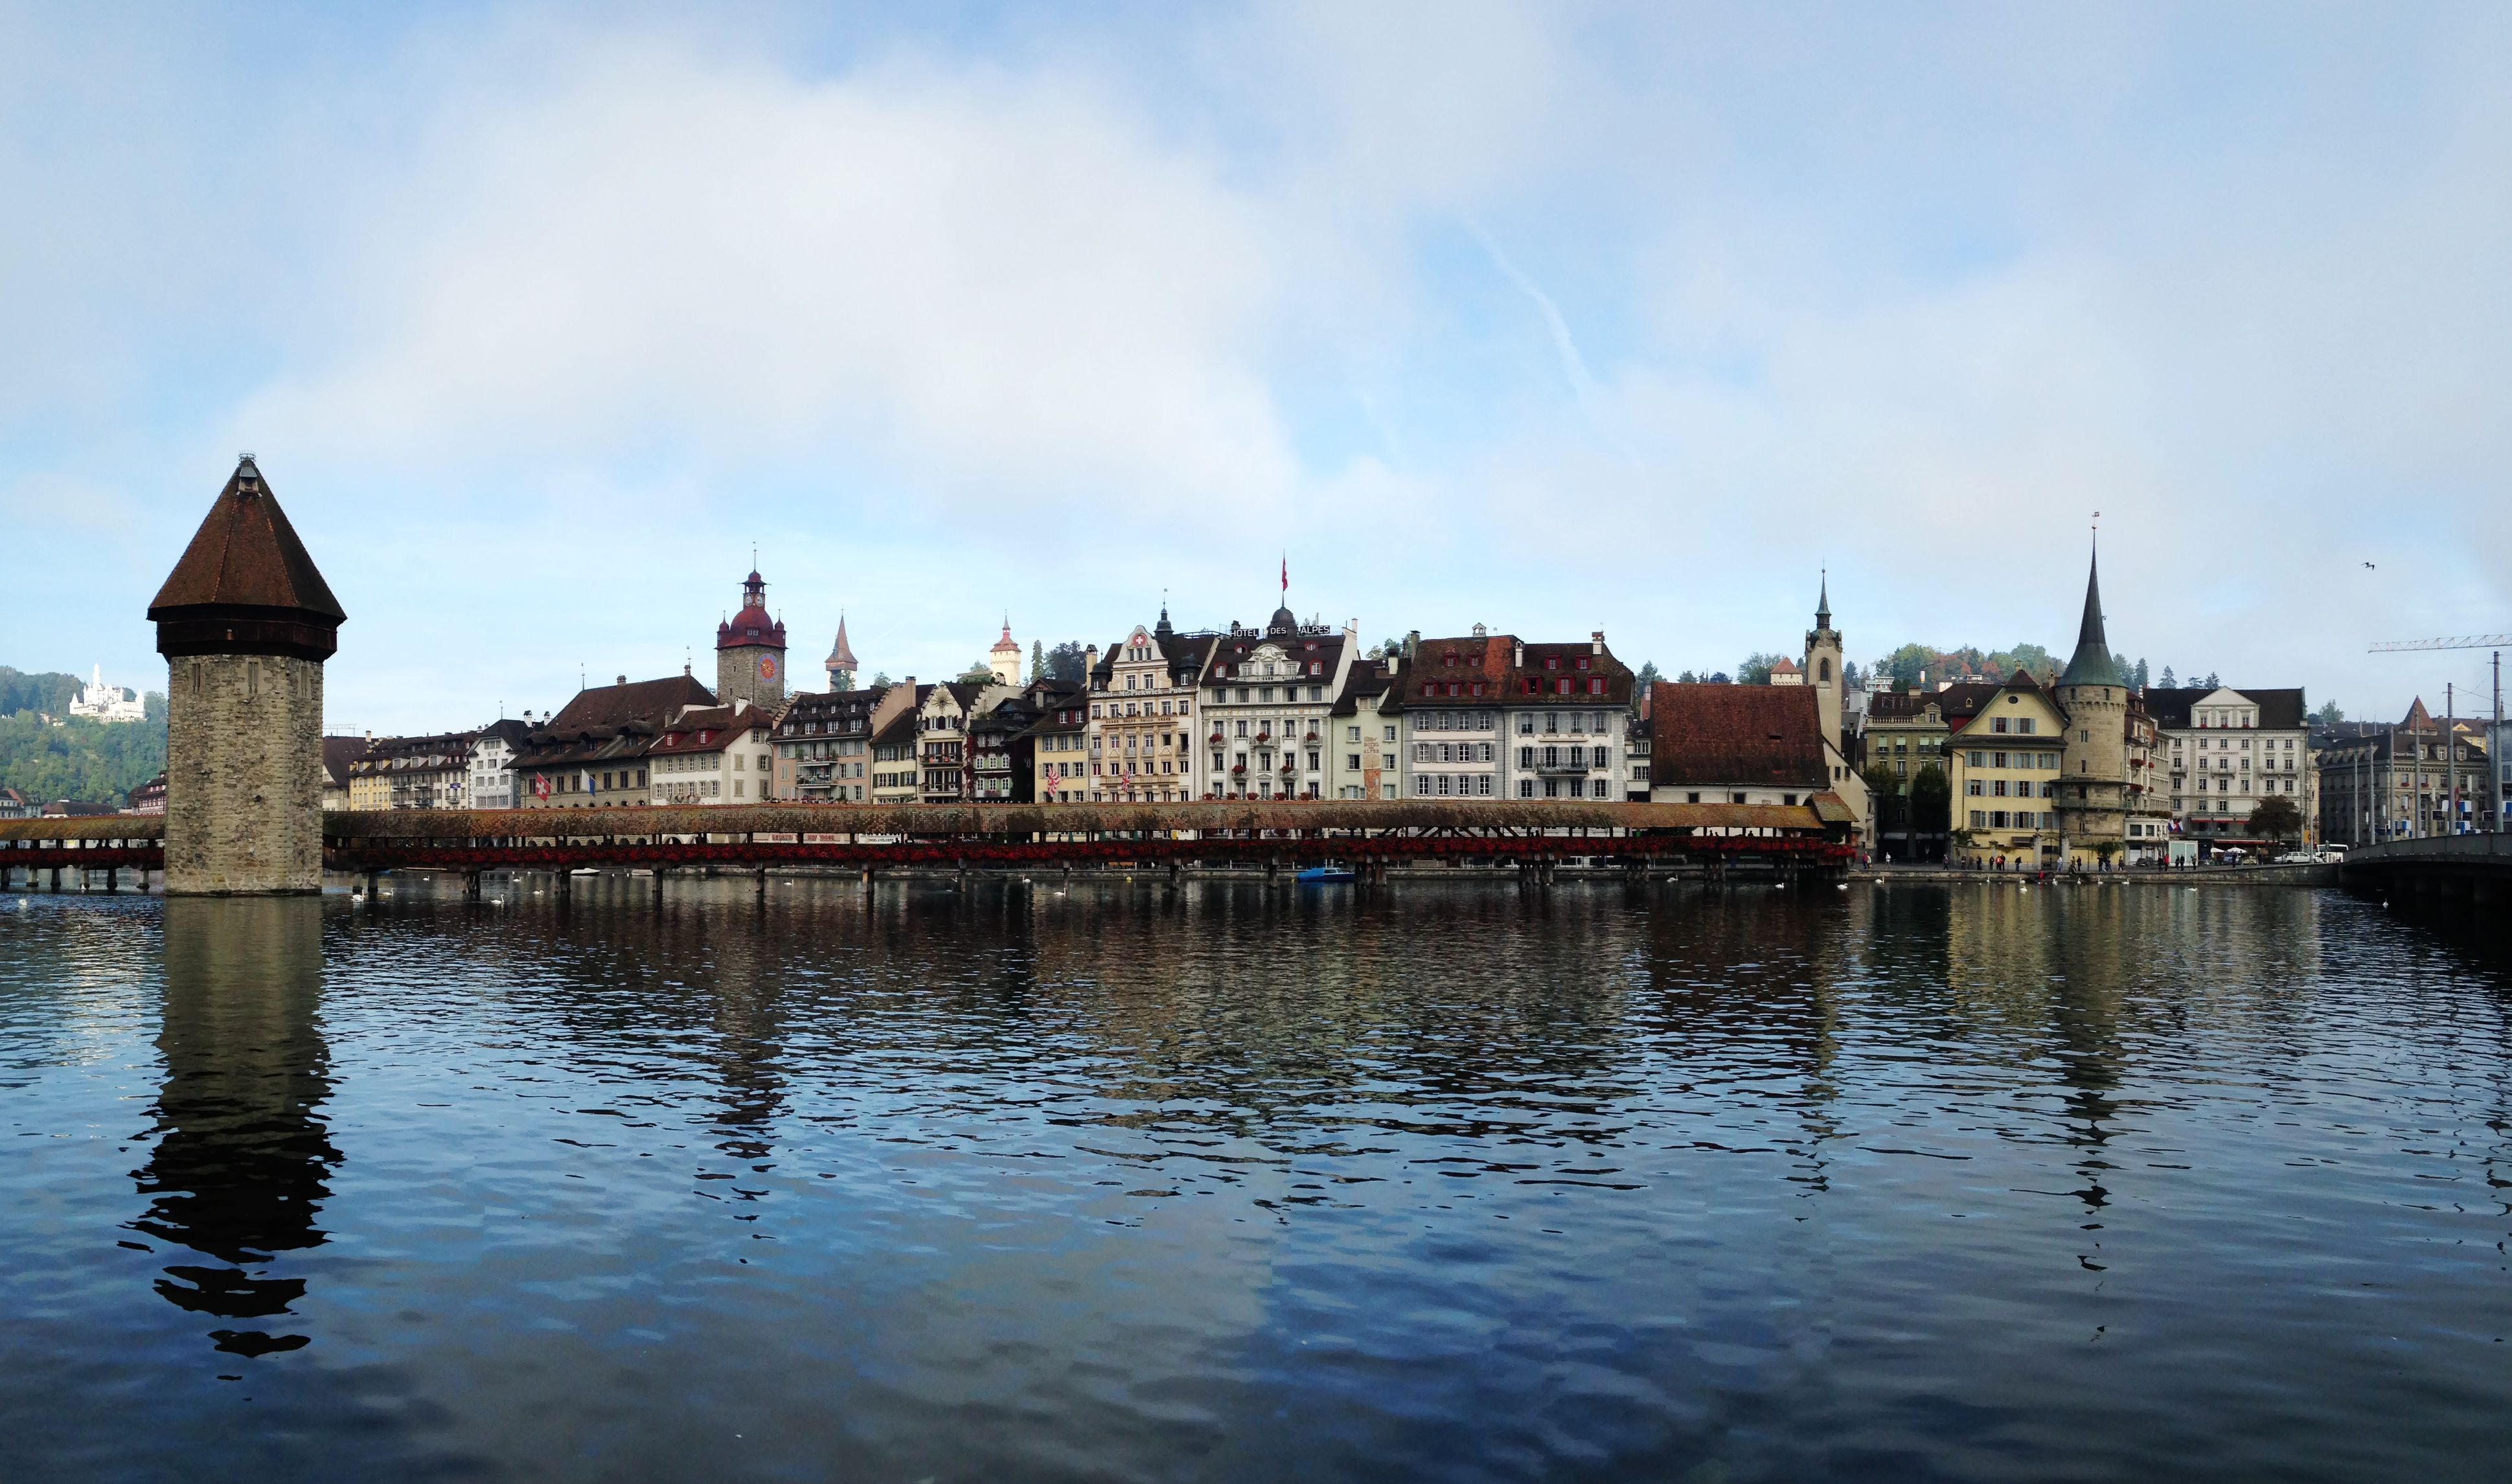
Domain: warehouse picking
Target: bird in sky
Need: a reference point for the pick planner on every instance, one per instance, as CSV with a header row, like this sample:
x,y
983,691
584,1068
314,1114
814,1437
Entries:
x,y
2368,565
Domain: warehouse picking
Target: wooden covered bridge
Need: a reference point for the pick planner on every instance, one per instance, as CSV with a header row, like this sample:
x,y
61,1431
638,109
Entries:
x,y
1273,835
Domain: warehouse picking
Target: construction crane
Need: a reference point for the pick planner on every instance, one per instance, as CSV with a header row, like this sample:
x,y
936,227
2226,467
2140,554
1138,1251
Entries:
x,y
2463,642
2498,643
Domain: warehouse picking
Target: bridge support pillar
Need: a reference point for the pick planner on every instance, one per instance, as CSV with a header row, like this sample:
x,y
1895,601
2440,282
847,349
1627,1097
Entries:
x,y
470,885
56,881
658,886
113,878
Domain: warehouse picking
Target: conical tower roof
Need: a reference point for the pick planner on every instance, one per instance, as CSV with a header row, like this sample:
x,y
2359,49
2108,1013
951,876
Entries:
x,y
842,654
246,584
2092,664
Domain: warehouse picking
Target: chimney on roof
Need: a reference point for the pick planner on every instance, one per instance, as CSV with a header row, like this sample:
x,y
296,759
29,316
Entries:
x,y
1597,642
623,680
1517,653
1412,642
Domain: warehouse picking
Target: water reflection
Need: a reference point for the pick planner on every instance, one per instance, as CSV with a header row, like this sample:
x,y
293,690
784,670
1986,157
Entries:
x,y
243,1154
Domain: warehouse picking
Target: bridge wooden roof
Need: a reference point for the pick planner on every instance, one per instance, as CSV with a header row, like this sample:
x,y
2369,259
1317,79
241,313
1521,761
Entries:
x,y
996,819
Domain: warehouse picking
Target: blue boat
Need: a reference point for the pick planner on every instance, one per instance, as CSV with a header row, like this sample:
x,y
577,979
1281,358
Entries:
x,y
1326,875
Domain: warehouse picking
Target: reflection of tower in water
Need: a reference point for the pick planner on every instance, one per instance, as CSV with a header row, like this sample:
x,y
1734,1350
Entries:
x,y
242,1153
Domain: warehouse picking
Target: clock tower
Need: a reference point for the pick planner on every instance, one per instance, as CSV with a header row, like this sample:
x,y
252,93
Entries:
x,y
750,653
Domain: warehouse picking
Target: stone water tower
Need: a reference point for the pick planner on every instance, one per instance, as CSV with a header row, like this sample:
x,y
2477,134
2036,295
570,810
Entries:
x,y
244,622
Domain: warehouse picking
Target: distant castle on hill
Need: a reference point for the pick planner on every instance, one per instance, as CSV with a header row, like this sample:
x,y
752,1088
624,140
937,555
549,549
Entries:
x,y
108,703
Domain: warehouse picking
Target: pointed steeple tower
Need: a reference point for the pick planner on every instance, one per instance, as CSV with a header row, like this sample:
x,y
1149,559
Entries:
x,y
2092,664
840,663
1825,665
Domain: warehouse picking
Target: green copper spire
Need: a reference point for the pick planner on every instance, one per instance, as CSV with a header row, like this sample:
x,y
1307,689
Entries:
x,y
2092,663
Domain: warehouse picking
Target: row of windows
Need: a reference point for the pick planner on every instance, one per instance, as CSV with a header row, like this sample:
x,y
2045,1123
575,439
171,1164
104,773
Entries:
x,y
2021,819
1220,694
2226,744
1142,709
1454,752
1997,788
2046,762
2022,726
2267,785
1445,785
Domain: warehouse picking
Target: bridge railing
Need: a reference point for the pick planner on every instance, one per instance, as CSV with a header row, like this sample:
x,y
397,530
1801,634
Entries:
x,y
2455,848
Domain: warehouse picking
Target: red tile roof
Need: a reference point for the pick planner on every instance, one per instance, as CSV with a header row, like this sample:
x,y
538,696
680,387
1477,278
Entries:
x,y
1741,734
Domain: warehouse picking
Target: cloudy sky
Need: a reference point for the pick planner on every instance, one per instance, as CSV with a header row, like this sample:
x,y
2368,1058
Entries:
x,y
1556,318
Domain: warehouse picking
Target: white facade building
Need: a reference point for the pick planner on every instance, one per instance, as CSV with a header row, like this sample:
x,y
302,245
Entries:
x,y
1491,716
1265,711
2223,751
490,781
108,703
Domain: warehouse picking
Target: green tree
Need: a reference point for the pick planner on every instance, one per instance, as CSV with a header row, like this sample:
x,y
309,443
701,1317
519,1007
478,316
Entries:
x,y
1036,661
80,757
1068,661
2329,715
979,673
1687,678
50,692
2276,819
2169,683
1756,669
881,680
1648,676
1886,791
1932,796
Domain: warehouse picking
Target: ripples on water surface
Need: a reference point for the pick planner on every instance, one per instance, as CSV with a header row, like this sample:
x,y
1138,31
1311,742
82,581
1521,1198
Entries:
x,y
1447,1183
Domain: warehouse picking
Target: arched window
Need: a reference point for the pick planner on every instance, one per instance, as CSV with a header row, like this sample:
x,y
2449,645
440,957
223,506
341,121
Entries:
x,y
1822,671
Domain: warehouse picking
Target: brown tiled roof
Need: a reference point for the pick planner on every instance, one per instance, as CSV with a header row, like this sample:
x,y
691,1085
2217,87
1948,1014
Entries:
x,y
2279,709
245,555
654,702
708,729
1511,673
1745,734
1368,678
337,753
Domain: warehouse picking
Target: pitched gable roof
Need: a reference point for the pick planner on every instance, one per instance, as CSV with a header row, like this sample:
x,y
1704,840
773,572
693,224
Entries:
x,y
1755,734
651,702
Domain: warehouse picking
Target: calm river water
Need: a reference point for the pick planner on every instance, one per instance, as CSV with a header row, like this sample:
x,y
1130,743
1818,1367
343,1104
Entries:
x,y
1456,1182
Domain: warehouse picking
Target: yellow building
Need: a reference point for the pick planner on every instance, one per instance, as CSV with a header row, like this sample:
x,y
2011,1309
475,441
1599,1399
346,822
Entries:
x,y
2007,750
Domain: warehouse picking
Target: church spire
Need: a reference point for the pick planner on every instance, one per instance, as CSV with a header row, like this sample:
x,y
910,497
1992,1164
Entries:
x,y
1822,604
2092,665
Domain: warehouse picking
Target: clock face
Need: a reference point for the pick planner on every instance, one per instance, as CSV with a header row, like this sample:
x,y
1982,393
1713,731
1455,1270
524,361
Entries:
x,y
767,667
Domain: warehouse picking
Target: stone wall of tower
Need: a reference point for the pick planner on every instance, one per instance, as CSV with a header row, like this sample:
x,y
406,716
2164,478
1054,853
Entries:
x,y
738,677
243,774
1822,666
2093,788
